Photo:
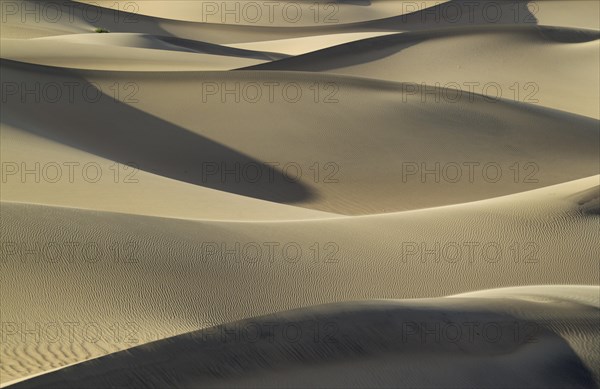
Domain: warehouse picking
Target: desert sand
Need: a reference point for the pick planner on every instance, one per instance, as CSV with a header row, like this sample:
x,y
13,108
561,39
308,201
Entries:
x,y
372,194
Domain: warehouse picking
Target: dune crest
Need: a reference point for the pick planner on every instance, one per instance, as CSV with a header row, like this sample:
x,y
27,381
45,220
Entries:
x,y
355,344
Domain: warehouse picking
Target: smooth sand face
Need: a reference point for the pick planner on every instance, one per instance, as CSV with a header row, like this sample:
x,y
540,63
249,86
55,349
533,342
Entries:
x,y
179,174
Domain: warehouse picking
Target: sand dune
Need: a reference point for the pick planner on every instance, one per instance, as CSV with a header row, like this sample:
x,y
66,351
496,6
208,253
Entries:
x,y
97,183
125,53
472,63
370,174
146,41
171,276
301,14
488,148
370,343
297,46
78,17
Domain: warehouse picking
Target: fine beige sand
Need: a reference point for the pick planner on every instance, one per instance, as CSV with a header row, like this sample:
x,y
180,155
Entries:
x,y
372,178
354,344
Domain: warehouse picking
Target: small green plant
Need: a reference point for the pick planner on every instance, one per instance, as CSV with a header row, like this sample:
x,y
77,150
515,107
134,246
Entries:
x,y
101,30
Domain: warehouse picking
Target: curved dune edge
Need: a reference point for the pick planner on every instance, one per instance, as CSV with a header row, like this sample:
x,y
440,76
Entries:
x,y
77,54
328,12
580,197
388,343
545,12
491,60
519,13
171,276
521,146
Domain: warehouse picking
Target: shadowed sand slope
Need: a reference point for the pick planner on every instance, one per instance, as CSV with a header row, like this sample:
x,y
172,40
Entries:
x,y
500,62
131,51
166,276
436,343
157,43
325,142
74,178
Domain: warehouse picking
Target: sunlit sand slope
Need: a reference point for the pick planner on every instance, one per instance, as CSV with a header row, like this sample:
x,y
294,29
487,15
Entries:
x,y
158,277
